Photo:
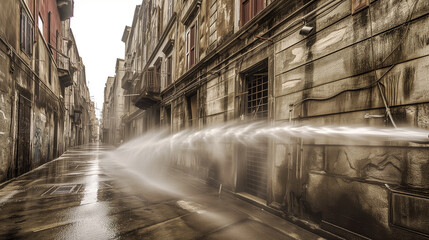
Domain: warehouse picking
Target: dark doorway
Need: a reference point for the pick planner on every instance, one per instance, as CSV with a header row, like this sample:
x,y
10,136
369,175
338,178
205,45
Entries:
x,y
168,117
256,165
55,148
23,163
106,136
192,110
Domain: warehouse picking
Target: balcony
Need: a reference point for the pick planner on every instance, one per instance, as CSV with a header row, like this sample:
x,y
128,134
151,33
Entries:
x,y
128,79
65,71
65,9
149,93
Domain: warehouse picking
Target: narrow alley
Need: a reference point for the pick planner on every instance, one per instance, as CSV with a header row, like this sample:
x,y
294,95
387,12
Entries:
x,y
79,196
214,119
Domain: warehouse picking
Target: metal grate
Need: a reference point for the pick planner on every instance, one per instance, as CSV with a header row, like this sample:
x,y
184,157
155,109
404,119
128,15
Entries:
x,y
256,172
63,189
257,97
257,109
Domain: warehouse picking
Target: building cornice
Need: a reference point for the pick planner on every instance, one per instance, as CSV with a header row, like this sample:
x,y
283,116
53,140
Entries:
x,y
225,46
161,41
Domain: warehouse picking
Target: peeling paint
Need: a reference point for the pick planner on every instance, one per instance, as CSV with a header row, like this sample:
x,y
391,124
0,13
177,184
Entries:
x,y
290,84
333,38
4,116
299,53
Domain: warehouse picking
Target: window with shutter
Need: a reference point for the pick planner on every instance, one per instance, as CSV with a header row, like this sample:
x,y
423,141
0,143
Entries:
x,y
158,73
169,70
249,9
22,35
150,82
26,33
191,48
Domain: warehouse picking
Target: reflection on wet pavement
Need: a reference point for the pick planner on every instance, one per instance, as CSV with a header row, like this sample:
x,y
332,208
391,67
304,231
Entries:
x,y
79,196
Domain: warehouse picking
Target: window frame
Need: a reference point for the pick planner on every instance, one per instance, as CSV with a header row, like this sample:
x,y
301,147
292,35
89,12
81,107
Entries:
x,y
157,72
150,78
255,7
41,25
191,61
26,33
169,70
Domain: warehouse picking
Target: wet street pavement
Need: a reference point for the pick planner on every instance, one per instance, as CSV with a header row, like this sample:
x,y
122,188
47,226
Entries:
x,y
83,196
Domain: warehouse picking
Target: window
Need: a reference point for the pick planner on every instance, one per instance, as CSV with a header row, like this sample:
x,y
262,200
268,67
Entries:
x,y
192,110
191,40
158,73
149,79
26,34
249,9
40,24
57,44
49,27
169,70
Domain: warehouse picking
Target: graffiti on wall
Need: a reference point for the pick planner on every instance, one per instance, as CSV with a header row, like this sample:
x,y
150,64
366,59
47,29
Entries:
x,y
2,115
38,139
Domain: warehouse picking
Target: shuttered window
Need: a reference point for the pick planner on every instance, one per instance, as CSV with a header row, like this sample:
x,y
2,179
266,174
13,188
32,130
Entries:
x,y
150,81
191,40
158,73
249,9
169,69
26,34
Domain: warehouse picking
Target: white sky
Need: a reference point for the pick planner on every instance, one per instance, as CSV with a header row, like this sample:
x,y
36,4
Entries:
x,y
97,27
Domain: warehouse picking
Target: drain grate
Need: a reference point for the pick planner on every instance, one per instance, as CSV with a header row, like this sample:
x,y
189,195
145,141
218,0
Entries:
x,y
63,189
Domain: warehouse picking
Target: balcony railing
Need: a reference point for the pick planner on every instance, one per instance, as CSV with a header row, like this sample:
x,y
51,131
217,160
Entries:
x,y
149,89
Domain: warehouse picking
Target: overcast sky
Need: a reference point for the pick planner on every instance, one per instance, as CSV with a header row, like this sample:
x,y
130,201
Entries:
x,y
98,26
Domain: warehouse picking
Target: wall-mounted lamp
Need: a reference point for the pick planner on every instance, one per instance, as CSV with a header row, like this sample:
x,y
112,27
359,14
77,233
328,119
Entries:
x,y
305,30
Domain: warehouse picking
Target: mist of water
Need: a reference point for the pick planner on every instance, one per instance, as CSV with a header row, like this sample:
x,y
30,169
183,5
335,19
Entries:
x,y
148,157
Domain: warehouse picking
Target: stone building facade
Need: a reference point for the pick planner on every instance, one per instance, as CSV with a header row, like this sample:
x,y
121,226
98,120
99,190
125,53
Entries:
x,y
37,74
194,63
113,107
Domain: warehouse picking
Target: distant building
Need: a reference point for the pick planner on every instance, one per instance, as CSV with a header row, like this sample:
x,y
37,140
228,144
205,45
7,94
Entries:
x,y
40,75
194,63
113,107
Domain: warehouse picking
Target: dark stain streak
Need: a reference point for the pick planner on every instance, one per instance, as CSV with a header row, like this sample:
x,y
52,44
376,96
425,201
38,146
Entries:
x,y
409,75
309,67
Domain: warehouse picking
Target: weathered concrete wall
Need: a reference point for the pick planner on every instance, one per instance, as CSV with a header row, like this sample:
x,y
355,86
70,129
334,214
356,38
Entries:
x,y
6,115
32,81
342,185
335,184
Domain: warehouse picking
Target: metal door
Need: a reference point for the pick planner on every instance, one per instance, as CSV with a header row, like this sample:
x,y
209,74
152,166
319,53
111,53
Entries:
x,y
23,163
257,152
